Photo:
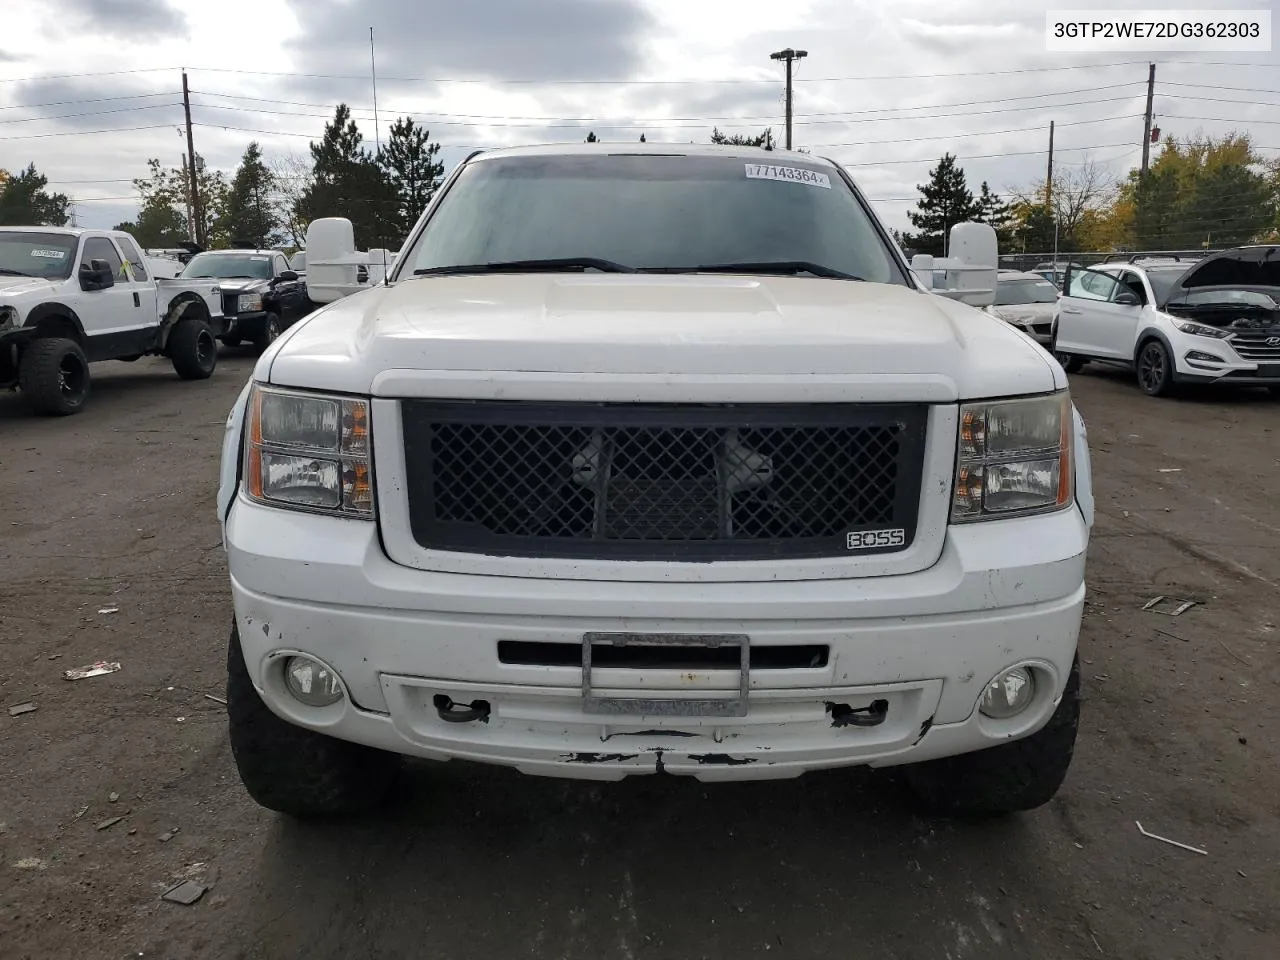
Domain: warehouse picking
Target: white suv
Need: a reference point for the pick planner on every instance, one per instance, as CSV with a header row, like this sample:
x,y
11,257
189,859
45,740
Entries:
x,y
1216,320
655,459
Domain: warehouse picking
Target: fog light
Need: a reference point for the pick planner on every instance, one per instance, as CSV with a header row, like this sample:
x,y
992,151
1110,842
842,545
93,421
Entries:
x,y
1204,357
1008,694
311,682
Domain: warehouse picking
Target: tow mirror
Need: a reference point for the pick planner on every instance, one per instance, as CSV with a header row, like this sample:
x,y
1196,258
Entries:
x,y
96,275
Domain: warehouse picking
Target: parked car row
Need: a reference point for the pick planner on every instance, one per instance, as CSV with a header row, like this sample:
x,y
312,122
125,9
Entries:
x,y
71,297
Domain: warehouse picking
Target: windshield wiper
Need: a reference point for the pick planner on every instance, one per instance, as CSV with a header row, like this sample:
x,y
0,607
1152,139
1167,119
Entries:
x,y
529,266
14,273
778,266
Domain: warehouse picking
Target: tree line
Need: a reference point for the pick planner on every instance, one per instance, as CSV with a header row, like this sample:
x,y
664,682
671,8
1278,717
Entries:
x,y
269,203
1198,193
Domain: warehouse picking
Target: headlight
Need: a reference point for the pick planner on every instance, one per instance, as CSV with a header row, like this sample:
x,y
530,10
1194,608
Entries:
x,y
309,452
1200,330
1014,458
248,302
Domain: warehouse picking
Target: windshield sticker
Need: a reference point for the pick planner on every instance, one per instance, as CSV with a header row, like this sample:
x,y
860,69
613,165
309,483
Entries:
x,y
769,171
50,254
259,259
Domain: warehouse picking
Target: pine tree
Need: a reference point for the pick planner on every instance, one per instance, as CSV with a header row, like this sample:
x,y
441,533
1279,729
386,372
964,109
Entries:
x,y
349,183
946,201
248,215
411,162
993,210
24,201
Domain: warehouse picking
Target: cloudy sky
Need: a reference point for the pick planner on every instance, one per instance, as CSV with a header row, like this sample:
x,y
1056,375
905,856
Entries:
x,y
89,89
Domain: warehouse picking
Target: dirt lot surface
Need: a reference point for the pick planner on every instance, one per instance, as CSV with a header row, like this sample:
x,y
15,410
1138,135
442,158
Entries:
x,y
114,508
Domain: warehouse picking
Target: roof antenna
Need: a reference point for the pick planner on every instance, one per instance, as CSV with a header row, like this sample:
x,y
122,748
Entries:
x,y
377,140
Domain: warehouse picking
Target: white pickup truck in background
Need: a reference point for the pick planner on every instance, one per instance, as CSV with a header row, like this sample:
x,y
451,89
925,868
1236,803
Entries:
x,y
71,297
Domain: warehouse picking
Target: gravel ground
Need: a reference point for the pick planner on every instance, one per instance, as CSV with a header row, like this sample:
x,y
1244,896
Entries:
x,y
114,508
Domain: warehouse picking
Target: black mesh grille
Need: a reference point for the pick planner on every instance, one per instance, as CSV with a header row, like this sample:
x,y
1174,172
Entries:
x,y
660,482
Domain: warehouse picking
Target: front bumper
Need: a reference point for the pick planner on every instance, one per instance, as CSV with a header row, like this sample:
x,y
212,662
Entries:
x,y
1217,362
1002,593
246,324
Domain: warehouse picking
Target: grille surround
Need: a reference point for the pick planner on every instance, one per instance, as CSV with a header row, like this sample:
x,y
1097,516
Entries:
x,y
523,479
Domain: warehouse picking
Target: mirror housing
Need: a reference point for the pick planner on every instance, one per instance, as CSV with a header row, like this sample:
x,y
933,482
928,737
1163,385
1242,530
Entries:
x,y
1126,299
288,275
968,273
96,275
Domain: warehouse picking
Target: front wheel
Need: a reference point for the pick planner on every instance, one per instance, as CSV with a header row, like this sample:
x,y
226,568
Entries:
x,y
54,375
268,332
193,349
1155,369
294,770
1070,363
1019,775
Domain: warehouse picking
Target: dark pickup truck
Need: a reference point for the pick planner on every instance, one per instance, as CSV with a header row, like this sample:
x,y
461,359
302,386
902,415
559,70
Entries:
x,y
261,296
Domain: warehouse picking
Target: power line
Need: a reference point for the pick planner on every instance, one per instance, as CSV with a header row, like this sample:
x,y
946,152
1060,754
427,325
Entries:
x,y
977,133
685,122
1212,86
64,103
758,117
77,76
985,156
1243,103
701,81
1173,116
92,113
86,133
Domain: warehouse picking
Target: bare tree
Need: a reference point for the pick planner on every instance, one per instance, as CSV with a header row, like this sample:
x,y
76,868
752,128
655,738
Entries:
x,y
1077,190
293,175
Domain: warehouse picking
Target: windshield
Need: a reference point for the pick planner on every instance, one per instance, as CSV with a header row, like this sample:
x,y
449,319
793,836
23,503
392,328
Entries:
x,y
225,266
652,212
1025,291
49,256
1162,281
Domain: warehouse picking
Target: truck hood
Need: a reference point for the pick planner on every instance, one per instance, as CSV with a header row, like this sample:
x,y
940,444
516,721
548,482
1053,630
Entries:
x,y
1242,268
234,284
1026,312
14,287
664,325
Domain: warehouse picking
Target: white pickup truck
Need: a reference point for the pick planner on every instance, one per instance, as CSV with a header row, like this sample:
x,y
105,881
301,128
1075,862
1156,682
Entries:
x,y
678,469
71,297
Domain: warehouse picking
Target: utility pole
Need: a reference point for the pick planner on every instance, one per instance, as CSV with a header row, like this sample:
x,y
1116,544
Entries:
x,y
1048,178
186,192
1146,127
789,56
192,168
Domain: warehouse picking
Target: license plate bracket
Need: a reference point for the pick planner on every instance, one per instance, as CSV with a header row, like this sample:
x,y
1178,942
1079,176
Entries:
x,y
735,706
1269,371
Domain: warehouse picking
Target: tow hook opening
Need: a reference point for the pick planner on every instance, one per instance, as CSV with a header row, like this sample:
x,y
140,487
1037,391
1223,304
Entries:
x,y
451,711
843,715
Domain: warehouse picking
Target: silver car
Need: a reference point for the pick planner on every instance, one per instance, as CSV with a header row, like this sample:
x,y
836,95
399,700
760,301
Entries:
x,y
1027,301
